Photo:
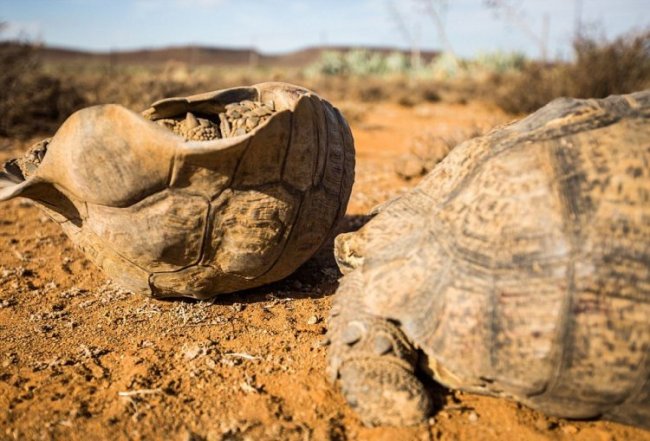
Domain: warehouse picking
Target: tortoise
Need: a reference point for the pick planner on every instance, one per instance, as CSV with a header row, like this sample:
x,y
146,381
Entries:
x,y
196,196
519,268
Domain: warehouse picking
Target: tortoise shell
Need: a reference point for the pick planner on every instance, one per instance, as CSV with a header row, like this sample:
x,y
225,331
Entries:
x,y
169,205
519,267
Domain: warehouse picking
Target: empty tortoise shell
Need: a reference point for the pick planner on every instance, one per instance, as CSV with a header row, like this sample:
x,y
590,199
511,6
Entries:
x,y
198,196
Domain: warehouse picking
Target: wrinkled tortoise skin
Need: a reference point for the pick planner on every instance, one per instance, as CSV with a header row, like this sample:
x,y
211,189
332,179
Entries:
x,y
519,267
196,215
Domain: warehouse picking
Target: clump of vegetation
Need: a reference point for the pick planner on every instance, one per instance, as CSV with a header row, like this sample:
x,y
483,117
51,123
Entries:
x,y
360,62
448,67
600,68
31,100
620,66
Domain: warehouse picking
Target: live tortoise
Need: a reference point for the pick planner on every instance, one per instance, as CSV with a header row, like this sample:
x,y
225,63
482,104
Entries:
x,y
519,267
225,191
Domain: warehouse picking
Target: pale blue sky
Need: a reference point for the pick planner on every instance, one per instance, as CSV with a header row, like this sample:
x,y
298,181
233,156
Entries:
x,y
283,25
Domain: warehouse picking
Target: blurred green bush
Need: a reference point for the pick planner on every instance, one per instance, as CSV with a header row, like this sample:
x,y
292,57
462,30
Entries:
x,y
360,62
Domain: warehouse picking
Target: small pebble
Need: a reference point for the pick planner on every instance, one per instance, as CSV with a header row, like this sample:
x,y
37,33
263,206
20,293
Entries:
x,y
570,430
313,320
323,342
542,423
192,352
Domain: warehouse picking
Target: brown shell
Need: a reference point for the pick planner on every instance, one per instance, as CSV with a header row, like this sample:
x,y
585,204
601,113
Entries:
x,y
170,217
521,264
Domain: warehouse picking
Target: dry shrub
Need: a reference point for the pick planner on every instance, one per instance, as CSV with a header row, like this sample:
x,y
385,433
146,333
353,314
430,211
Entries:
x,y
417,94
367,89
370,93
530,89
601,68
31,101
36,98
621,66
134,91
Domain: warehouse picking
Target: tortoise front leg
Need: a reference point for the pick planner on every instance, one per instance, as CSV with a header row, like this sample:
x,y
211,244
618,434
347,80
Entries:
x,y
374,363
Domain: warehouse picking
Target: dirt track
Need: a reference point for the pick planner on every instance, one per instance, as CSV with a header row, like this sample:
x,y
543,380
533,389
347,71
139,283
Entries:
x,y
81,359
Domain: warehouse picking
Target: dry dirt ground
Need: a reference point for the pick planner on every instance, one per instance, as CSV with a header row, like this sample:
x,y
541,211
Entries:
x,y
82,359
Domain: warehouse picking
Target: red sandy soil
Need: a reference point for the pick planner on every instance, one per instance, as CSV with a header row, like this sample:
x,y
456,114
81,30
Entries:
x,y
82,359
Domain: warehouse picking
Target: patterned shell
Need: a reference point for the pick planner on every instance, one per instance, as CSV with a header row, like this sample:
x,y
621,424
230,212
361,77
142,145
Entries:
x,y
522,267
198,196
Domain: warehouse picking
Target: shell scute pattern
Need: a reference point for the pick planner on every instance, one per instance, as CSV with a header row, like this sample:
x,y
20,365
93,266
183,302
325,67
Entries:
x,y
519,267
250,230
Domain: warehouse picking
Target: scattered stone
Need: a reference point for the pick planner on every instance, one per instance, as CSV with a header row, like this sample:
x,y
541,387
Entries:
x,y
7,303
570,429
72,292
543,424
194,351
12,358
321,343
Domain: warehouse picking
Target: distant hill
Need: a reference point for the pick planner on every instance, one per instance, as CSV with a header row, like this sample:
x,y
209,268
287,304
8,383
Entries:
x,y
203,55
182,54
